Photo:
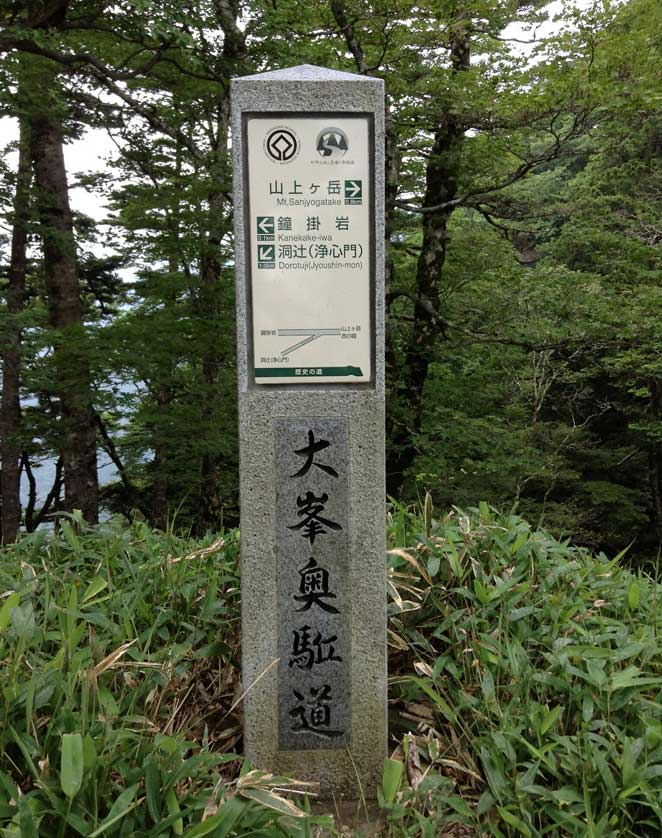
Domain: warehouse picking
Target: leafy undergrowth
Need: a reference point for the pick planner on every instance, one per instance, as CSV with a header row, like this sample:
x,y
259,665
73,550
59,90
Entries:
x,y
119,655
526,678
533,707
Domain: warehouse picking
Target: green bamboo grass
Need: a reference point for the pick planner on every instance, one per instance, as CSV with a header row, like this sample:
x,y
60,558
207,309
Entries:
x,y
525,687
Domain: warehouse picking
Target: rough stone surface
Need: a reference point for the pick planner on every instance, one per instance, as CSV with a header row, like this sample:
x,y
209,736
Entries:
x,y
339,771
314,633
306,72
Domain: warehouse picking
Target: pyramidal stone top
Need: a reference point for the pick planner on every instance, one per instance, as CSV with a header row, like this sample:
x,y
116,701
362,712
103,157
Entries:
x,y
304,72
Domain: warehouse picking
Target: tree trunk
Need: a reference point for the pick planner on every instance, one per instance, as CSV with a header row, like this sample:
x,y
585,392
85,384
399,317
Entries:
x,y
655,460
160,486
392,172
442,173
210,509
234,52
10,417
72,385
392,159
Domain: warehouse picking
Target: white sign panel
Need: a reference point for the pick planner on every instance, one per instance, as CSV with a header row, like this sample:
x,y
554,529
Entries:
x,y
309,217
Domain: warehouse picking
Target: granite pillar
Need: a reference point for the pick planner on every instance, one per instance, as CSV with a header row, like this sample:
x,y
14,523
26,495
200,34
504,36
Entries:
x,y
308,192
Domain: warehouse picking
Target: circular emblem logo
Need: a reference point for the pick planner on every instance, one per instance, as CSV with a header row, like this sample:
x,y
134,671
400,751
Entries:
x,y
332,142
282,145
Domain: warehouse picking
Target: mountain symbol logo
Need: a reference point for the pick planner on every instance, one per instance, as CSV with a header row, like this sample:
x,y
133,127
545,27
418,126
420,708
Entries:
x,y
332,142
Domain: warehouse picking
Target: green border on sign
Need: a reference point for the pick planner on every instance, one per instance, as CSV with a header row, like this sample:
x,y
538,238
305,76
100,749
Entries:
x,y
298,372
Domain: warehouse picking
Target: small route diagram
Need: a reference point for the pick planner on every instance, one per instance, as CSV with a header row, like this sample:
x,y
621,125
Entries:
x,y
308,335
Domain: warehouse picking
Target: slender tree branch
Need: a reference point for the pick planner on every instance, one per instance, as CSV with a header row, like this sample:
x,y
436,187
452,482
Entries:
x,y
546,156
111,449
54,495
347,29
32,493
69,59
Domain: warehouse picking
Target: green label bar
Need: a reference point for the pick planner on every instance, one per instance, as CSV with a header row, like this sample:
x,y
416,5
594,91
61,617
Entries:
x,y
305,372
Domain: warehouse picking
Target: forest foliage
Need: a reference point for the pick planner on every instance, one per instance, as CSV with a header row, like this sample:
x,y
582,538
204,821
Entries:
x,y
524,700
524,363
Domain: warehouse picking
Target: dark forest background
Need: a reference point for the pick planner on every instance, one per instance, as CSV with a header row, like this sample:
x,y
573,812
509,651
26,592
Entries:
x,y
524,222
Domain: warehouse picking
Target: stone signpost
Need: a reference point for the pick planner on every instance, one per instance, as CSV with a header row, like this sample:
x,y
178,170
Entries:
x,y
308,192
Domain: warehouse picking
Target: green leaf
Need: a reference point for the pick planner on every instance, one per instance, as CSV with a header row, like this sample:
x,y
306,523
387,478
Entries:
x,y
153,789
605,773
120,808
78,823
391,779
26,820
205,827
454,561
631,677
518,613
434,563
628,792
70,536
567,794
459,805
487,683
89,753
8,786
589,652
173,809
481,592
632,750
95,587
10,603
634,596
441,705
514,821
272,801
494,773
222,822
520,542
550,719
71,764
